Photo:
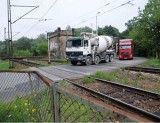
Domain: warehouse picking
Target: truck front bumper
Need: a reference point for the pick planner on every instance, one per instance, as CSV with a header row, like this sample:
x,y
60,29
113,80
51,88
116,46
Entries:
x,y
76,58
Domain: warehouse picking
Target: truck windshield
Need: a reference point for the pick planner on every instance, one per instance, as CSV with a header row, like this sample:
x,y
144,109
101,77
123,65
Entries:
x,y
74,43
124,47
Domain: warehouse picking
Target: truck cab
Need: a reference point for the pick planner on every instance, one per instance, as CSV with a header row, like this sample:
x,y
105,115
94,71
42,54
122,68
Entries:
x,y
77,49
126,47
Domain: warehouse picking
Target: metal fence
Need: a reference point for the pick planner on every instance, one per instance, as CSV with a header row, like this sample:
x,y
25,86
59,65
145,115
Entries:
x,y
28,96
24,96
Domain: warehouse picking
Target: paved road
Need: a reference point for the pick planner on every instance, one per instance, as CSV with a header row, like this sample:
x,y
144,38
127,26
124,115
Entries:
x,y
69,71
13,84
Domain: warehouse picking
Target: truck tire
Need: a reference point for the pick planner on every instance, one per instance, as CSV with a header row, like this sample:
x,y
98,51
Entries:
x,y
111,58
88,60
107,58
83,63
74,62
96,60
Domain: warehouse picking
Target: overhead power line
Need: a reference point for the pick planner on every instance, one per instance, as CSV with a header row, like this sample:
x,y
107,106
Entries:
x,y
90,12
41,17
25,14
129,2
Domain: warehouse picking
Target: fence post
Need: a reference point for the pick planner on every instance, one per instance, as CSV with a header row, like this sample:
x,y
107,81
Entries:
x,y
56,99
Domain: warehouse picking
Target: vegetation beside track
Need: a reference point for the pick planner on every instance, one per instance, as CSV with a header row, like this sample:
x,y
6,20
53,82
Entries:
x,y
145,81
4,65
152,62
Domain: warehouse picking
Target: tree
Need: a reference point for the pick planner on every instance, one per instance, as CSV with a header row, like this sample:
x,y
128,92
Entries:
x,y
145,29
84,29
42,48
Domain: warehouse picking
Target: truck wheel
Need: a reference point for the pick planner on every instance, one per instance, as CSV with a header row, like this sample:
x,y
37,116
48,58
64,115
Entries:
x,y
74,62
83,63
96,60
110,58
88,60
107,58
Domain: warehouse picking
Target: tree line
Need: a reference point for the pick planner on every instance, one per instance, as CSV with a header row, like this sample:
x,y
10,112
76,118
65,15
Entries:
x,y
26,46
143,29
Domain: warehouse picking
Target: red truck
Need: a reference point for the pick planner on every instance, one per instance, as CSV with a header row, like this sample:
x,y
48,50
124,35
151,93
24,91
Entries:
x,y
125,49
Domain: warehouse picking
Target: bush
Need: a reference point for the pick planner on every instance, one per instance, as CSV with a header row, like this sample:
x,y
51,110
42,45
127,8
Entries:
x,y
23,53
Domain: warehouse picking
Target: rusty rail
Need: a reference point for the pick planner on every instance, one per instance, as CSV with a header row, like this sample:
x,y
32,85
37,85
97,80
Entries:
x,y
144,69
120,103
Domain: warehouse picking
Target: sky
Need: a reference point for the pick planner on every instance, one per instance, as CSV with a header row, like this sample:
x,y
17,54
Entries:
x,y
61,13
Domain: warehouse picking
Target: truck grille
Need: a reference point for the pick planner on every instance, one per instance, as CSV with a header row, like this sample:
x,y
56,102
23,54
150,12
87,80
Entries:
x,y
124,53
74,53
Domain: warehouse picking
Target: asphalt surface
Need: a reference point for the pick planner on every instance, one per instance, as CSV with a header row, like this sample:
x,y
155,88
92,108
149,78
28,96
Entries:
x,y
14,84
69,71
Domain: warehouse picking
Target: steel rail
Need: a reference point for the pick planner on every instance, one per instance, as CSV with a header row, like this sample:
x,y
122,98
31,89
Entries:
x,y
131,88
144,69
26,63
118,102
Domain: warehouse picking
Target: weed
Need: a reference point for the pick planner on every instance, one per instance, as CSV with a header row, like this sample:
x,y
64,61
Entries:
x,y
107,76
152,62
87,80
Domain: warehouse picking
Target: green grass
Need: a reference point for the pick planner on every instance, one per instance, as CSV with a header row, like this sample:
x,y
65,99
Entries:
x,y
125,77
4,65
87,80
152,62
28,109
107,76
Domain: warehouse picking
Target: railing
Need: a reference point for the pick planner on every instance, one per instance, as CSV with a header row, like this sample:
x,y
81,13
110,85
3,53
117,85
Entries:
x,y
28,96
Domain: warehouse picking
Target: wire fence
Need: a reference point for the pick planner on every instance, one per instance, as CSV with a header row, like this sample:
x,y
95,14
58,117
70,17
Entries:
x,y
26,96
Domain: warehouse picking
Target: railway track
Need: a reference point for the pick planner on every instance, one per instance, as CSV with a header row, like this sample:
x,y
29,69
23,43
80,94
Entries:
x,y
26,63
144,69
142,102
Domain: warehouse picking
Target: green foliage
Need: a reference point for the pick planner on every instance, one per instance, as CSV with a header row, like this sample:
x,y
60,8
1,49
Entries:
x,y
23,53
42,48
87,80
107,76
3,48
109,30
23,43
4,65
84,29
144,29
152,62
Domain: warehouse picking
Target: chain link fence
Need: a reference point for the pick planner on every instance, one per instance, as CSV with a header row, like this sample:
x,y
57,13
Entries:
x,y
26,96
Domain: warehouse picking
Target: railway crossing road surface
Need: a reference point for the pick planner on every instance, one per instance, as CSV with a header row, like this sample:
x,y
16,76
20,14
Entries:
x,y
60,72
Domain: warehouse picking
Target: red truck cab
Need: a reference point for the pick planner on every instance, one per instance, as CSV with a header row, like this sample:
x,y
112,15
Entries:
x,y
125,47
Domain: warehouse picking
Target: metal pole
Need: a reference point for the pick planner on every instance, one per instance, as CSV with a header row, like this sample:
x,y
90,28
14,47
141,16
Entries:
x,y
96,26
96,23
9,49
49,52
11,35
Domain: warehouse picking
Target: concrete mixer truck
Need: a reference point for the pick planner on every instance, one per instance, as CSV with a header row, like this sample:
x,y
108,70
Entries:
x,y
89,49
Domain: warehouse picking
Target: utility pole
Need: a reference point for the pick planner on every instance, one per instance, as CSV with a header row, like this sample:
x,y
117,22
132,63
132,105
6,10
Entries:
x,y
10,43
49,51
96,23
10,34
5,39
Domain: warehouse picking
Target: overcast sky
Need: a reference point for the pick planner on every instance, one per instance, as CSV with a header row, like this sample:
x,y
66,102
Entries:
x,y
76,13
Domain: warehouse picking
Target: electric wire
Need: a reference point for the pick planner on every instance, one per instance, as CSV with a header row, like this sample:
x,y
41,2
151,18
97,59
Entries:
x,y
129,2
41,17
107,4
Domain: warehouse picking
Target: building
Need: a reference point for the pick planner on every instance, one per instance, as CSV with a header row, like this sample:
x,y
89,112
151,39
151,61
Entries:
x,y
57,42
